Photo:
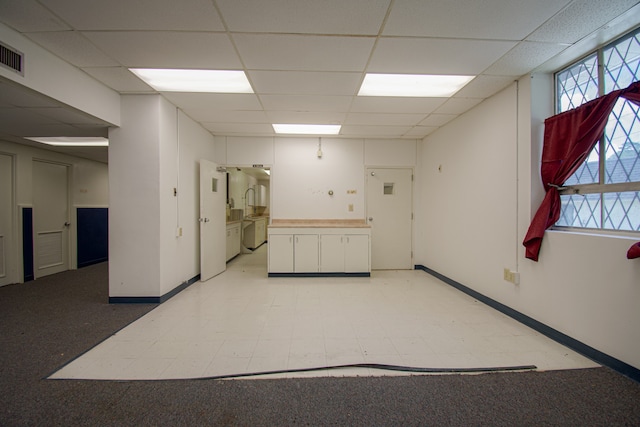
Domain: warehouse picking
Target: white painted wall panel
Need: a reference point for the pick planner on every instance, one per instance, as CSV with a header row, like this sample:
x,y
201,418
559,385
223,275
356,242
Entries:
x,y
385,152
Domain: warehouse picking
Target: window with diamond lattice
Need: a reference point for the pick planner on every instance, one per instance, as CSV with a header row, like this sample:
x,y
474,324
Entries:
x,y
604,192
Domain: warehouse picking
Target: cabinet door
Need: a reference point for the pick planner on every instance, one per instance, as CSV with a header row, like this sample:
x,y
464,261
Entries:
x,y
306,253
280,253
356,253
229,243
235,236
332,253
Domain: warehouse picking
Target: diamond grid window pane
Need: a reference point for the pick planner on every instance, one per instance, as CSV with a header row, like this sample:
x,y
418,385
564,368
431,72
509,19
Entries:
x,y
622,211
580,211
622,159
589,171
622,63
577,84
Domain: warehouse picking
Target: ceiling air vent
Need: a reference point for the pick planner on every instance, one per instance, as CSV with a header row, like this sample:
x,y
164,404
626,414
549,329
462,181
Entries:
x,y
11,59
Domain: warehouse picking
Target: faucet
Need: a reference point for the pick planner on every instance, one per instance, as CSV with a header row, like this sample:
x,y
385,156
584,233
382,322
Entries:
x,y
245,199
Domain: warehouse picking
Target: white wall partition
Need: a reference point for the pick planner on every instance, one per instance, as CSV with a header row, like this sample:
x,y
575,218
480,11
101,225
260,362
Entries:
x,y
302,181
477,187
153,233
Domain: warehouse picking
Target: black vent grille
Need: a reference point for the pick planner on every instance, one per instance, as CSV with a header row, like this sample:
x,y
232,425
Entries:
x,y
11,59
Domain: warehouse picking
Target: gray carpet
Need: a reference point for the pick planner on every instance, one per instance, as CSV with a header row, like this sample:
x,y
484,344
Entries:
x,y
46,323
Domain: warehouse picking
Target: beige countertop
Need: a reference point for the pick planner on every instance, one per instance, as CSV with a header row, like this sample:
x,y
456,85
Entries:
x,y
319,223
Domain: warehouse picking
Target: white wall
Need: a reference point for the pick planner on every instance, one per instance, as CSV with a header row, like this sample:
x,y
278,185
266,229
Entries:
x,y
473,213
88,188
300,181
156,150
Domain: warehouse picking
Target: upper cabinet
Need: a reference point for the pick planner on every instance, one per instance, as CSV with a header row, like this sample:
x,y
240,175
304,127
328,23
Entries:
x,y
260,195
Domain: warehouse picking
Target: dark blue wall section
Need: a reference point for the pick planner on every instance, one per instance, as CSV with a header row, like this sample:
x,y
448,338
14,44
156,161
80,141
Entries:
x,y
93,236
27,243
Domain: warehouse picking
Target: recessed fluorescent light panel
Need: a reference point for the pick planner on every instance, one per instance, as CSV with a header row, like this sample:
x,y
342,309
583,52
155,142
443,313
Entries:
x,y
418,85
69,141
307,129
214,81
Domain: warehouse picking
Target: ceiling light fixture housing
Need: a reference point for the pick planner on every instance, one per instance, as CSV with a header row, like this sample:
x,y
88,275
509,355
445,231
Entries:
x,y
71,141
212,81
414,85
302,129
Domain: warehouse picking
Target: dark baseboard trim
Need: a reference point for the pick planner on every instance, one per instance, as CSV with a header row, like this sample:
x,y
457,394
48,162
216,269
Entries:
x,y
580,347
154,300
319,274
92,262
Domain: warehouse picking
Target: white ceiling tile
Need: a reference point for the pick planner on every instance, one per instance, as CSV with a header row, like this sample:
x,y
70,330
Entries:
x,y
523,58
384,104
162,49
305,82
464,19
302,52
420,131
305,16
28,15
306,117
435,56
188,15
484,86
437,120
237,101
306,103
239,128
73,47
118,78
579,19
373,131
227,116
458,105
377,118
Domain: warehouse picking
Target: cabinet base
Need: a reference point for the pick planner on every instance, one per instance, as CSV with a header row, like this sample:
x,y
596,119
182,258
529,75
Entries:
x,y
365,274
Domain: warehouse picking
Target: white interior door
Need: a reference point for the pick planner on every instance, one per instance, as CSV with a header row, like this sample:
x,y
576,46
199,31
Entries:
x,y
50,218
6,229
389,212
213,237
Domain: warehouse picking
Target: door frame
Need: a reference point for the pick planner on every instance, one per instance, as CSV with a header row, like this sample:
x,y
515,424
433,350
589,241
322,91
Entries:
x,y
412,197
71,258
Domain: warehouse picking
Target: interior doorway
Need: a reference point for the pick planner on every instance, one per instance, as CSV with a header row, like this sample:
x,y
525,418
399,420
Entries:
x,y
390,215
7,267
50,218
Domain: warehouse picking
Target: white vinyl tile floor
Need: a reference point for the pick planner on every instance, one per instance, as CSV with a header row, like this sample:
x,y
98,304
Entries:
x,y
243,322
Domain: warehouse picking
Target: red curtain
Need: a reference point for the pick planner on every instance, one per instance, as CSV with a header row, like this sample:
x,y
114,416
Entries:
x,y
569,137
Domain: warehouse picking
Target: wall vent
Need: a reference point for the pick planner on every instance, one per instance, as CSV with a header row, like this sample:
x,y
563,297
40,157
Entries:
x,y
12,59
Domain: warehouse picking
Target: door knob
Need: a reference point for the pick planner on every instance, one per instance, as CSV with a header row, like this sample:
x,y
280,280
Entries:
x,y
370,218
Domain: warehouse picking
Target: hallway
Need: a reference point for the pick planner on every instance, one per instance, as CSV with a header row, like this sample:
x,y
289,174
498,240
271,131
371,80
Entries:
x,y
243,322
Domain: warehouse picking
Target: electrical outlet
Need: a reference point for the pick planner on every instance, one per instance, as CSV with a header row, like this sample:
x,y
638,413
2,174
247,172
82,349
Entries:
x,y
511,276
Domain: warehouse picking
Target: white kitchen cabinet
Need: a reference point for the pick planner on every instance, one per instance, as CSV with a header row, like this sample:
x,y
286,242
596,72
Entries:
x,y
292,253
319,251
357,253
305,253
280,253
254,232
348,253
233,240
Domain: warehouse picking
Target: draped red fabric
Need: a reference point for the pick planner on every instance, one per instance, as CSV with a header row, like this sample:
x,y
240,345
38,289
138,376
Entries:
x,y
569,137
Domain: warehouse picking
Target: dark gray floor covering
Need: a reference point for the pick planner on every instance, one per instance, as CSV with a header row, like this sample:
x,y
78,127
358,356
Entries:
x,y
46,323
